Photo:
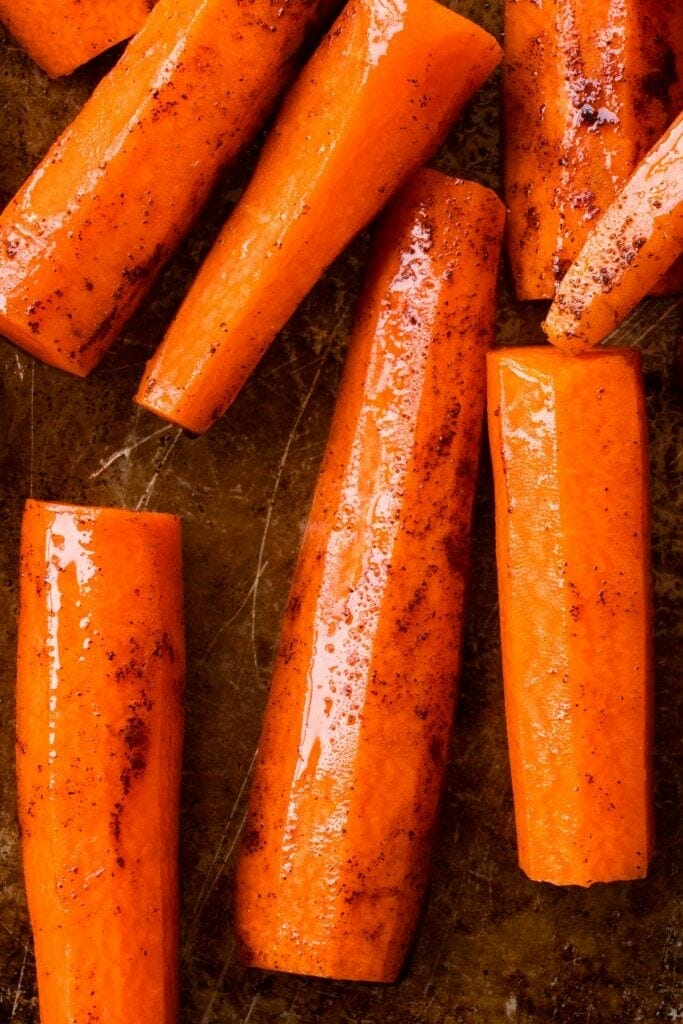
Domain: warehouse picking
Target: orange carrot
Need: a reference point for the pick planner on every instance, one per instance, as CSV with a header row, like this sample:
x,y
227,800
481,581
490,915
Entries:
x,y
570,462
82,241
61,35
371,107
589,88
627,252
334,864
99,734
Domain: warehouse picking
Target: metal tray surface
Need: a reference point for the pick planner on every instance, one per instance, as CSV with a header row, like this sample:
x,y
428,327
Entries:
x,y
493,947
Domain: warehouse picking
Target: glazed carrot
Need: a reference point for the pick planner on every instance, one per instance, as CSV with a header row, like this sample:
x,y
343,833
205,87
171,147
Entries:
x,y
61,35
627,252
334,863
570,462
373,104
82,241
99,735
589,88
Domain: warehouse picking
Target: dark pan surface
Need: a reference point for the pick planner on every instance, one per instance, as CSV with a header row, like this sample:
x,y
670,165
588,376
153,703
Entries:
x,y
493,947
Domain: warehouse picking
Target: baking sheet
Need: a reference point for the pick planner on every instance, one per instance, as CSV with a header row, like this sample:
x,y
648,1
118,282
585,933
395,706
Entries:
x,y
492,946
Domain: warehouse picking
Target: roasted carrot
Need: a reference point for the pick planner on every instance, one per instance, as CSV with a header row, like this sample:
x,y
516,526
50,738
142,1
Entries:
x,y
99,734
61,35
82,241
570,462
334,863
589,88
373,104
626,253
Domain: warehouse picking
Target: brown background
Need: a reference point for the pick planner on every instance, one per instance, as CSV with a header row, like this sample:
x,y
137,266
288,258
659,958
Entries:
x,y
493,946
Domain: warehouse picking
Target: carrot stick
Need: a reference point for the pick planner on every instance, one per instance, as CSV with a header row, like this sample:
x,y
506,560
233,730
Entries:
x,y
636,241
371,107
570,462
334,864
99,733
84,238
61,35
589,88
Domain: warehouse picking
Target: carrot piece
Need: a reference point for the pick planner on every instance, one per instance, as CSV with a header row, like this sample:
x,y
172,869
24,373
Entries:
x,y
60,35
588,89
82,241
370,108
334,864
570,463
636,241
99,735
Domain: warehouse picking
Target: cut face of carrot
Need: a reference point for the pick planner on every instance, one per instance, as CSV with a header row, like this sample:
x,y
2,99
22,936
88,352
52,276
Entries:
x,y
99,734
371,107
627,252
589,88
334,864
82,241
61,35
570,461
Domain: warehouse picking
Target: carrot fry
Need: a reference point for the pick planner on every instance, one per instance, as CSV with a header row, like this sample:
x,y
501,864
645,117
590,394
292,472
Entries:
x,y
99,735
636,241
60,35
371,107
82,241
570,462
334,864
588,89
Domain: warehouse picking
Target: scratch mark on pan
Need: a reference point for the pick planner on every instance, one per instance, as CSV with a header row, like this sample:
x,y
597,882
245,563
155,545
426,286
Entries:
x,y
144,500
276,486
662,318
209,1010
632,332
277,370
251,1009
127,449
21,977
294,1002
211,879
236,614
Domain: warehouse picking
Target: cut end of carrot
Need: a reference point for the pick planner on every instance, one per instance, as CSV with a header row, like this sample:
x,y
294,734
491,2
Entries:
x,y
310,966
171,408
34,506
61,36
50,354
599,873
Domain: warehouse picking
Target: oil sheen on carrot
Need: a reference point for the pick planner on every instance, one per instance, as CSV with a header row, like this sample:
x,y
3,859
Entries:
x,y
373,104
61,35
334,864
626,253
570,462
99,734
589,88
83,239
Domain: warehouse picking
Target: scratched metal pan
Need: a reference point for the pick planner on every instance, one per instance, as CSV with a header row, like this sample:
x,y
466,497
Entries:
x,y
492,946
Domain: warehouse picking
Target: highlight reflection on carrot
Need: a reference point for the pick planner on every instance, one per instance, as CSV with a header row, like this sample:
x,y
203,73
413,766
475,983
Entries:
x,y
61,35
334,864
588,89
370,108
570,462
628,251
84,238
99,734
